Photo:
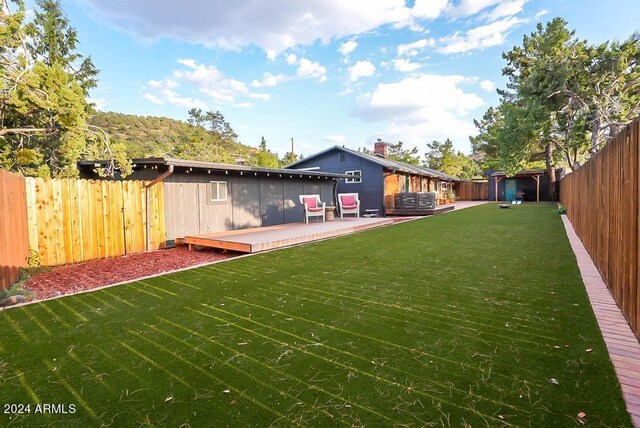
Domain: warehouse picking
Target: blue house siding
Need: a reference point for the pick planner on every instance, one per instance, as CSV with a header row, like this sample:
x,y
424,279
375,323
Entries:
x,y
371,188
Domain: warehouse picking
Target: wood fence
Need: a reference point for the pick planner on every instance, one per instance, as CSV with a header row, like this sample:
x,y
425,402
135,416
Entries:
x,y
72,220
14,247
601,198
472,191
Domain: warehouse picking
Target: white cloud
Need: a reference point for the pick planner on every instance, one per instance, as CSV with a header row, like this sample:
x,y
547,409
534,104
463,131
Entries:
x,y
421,108
153,98
99,103
429,9
272,25
211,82
482,37
347,47
243,105
542,13
335,138
263,97
164,93
311,69
470,7
207,80
162,84
292,59
405,65
505,9
269,80
278,25
361,69
414,48
487,85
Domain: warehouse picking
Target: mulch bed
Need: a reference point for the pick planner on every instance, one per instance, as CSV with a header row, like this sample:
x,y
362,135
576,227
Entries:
x,y
96,273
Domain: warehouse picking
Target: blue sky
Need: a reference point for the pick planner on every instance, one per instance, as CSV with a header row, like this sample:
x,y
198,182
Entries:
x,y
324,72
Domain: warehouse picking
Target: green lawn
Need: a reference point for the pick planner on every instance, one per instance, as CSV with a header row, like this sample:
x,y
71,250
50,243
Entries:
x,y
463,318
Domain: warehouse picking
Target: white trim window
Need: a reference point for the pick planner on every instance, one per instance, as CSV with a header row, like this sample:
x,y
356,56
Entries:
x,y
357,176
217,191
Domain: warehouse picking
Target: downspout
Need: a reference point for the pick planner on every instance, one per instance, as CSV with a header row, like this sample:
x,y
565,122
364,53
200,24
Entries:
x,y
335,195
146,191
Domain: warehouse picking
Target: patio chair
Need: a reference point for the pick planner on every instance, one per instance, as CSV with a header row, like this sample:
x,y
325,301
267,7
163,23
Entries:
x,y
313,207
349,204
519,197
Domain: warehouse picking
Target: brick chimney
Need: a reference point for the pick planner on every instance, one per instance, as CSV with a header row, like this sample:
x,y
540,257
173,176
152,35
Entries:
x,y
381,148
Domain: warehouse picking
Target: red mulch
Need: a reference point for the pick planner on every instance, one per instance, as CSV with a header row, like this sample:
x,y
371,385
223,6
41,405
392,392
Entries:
x,y
85,276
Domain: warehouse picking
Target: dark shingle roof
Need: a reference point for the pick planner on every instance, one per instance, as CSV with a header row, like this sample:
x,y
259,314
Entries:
x,y
387,163
214,166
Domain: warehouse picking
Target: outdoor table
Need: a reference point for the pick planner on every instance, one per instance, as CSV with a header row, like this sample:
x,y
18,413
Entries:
x,y
329,213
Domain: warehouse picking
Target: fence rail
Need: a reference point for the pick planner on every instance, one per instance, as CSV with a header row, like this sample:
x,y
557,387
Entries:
x,y
13,228
473,191
601,198
72,220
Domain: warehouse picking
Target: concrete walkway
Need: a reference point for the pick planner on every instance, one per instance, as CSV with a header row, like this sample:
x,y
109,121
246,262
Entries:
x,y
467,204
622,344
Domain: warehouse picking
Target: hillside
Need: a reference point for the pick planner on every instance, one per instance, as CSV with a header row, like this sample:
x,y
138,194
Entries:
x,y
161,136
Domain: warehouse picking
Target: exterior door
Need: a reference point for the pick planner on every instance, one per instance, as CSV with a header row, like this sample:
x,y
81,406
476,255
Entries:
x,y
510,189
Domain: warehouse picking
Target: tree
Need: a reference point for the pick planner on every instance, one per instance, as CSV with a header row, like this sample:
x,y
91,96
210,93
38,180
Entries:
x,y
43,129
442,157
564,97
219,144
290,158
265,157
54,41
215,123
398,153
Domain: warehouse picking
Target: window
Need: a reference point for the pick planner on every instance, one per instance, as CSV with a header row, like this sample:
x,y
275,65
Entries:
x,y
357,176
342,157
217,191
444,185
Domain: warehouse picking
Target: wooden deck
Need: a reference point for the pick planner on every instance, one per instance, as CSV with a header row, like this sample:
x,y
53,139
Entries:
x,y
271,237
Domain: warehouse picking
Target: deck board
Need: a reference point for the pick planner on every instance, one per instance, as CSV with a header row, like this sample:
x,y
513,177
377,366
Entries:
x,y
258,239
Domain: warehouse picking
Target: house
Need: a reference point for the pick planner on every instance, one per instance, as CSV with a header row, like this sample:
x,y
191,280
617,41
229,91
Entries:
x,y
532,183
205,197
375,177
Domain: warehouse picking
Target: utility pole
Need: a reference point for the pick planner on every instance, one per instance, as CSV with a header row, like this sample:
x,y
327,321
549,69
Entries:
x,y
293,156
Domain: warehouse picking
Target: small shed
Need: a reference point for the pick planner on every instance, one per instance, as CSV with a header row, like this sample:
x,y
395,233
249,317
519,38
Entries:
x,y
374,176
533,183
205,197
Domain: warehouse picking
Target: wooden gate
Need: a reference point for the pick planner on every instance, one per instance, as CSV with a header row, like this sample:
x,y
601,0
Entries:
x,y
14,245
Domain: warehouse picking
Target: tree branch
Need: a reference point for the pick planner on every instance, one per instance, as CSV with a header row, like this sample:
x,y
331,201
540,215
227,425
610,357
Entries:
x,y
28,131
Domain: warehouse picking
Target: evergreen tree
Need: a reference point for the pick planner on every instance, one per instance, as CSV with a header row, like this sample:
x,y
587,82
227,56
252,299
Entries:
x,y
564,98
43,107
442,157
54,41
265,157
399,153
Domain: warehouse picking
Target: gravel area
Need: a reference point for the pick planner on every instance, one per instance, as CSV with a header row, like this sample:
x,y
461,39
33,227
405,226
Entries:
x,y
73,278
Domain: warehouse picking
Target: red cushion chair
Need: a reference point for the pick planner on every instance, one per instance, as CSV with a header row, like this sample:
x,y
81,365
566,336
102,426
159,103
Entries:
x,y
349,204
313,207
